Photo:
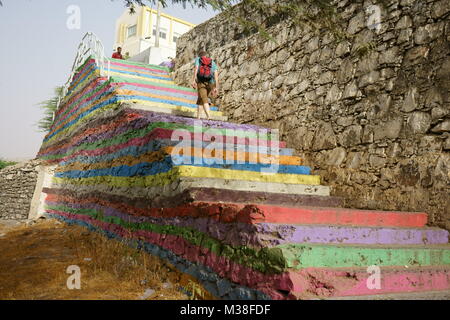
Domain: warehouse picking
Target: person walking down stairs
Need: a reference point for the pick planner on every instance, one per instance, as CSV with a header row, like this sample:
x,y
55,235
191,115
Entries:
x,y
205,80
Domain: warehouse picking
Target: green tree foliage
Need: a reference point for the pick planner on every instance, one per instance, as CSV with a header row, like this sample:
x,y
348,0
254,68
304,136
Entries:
x,y
258,15
48,107
4,163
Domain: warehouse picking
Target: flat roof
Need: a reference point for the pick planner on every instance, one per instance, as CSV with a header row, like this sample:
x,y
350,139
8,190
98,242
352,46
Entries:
x,y
170,17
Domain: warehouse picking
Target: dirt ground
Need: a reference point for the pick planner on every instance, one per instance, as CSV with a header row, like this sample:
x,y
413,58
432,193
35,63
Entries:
x,y
34,260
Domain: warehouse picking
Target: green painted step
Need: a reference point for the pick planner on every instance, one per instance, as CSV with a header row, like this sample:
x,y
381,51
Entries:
x,y
300,256
139,64
118,79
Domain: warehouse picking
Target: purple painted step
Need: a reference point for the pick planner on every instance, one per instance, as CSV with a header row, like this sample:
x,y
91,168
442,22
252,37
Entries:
x,y
156,117
285,234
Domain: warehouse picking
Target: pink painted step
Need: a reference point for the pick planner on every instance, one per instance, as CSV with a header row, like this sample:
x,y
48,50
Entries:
x,y
313,283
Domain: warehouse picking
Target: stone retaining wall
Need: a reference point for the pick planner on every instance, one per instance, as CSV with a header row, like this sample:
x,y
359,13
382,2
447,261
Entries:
x,y
17,185
371,113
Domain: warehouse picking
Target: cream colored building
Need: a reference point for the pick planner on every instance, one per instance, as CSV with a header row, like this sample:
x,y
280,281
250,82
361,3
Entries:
x,y
136,34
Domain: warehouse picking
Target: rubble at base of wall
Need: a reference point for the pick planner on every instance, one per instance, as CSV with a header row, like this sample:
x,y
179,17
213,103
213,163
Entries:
x,y
17,185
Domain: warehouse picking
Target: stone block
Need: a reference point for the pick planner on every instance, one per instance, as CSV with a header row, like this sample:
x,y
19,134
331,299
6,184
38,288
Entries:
x,y
418,123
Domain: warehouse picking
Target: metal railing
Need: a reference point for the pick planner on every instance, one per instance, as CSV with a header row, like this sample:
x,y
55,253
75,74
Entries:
x,y
90,46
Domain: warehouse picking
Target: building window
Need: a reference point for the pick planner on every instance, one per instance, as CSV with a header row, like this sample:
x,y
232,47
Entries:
x,y
132,31
176,36
162,32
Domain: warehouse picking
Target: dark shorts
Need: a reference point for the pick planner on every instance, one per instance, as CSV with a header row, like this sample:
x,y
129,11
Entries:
x,y
204,89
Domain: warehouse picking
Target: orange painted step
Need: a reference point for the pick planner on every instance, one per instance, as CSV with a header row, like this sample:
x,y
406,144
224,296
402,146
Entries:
x,y
339,216
246,157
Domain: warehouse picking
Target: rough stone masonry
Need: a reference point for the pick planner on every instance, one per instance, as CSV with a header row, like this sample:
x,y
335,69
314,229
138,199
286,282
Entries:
x,y
17,185
371,114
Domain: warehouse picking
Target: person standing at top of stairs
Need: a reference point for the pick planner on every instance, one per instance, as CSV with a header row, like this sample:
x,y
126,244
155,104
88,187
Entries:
x,y
205,80
118,54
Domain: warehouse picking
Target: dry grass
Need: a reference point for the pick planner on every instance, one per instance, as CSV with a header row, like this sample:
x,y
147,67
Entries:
x,y
34,260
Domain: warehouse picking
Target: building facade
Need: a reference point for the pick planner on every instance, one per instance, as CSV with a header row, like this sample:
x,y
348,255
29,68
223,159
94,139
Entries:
x,y
136,34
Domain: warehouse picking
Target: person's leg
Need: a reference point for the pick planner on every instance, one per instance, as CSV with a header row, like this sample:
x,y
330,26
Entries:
x,y
202,98
209,88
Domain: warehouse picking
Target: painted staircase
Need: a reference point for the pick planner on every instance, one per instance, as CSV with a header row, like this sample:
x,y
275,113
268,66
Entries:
x,y
217,215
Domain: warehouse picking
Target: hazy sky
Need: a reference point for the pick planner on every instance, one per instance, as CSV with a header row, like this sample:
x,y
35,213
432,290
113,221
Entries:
x,y
36,53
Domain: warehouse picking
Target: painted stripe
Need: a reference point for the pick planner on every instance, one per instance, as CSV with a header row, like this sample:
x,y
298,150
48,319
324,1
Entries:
x,y
201,157
138,103
234,155
300,256
159,102
81,75
197,270
191,237
164,98
185,183
141,78
262,234
353,282
148,68
154,132
152,168
175,196
300,283
134,81
134,119
153,72
259,213
83,112
92,134
341,216
81,103
194,172
135,64
140,74
183,91
188,96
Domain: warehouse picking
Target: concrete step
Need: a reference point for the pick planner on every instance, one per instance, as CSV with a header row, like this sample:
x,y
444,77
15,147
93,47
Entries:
x,y
124,79
190,96
177,111
305,255
189,136
167,99
259,213
233,155
268,234
160,162
424,295
324,216
174,197
235,151
122,174
152,71
211,126
354,283
182,184
138,65
276,234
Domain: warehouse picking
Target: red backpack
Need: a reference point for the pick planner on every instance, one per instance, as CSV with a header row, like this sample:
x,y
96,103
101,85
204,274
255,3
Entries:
x,y
205,70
